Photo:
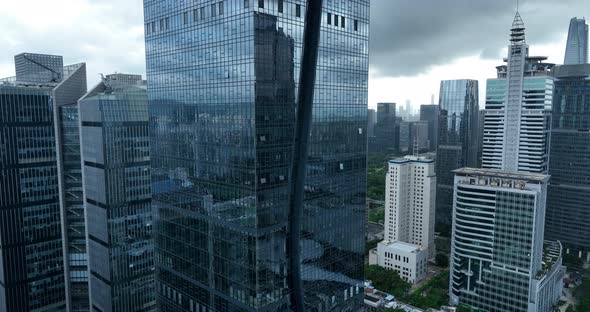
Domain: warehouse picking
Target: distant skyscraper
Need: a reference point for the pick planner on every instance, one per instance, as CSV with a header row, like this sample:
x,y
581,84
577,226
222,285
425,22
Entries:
x,y
223,79
418,137
457,139
35,239
386,129
499,261
39,68
404,139
576,50
409,202
117,191
568,211
430,113
518,105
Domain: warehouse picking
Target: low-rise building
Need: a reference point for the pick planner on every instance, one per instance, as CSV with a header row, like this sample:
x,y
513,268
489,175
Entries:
x,y
409,260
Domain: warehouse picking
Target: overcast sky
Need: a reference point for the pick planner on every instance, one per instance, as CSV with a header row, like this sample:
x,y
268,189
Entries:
x,y
414,43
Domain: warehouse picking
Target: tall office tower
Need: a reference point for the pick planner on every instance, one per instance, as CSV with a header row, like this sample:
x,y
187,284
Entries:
x,y
499,261
409,202
457,140
223,79
117,192
372,117
430,113
576,50
386,129
418,140
568,212
404,136
518,105
33,244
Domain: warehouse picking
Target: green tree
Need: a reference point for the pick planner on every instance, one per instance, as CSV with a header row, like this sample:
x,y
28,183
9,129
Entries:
x,y
376,172
463,308
582,293
442,260
433,294
386,280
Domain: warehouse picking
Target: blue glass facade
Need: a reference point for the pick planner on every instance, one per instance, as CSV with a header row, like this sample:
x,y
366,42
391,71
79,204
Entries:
x,y
223,82
32,236
386,129
76,256
31,266
568,212
457,140
117,192
431,114
576,50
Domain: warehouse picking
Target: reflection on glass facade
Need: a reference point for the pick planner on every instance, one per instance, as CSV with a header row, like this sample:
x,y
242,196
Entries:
x,y
568,211
117,191
457,139
223,82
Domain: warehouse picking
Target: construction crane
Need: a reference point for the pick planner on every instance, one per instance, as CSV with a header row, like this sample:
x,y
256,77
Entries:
x,y
56,77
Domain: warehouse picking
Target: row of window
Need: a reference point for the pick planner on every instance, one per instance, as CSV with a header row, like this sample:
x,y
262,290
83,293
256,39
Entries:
x,y
342,23
218,9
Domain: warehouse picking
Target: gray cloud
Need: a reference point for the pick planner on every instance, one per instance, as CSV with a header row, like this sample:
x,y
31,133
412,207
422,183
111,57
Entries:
x,y
106,34
408,37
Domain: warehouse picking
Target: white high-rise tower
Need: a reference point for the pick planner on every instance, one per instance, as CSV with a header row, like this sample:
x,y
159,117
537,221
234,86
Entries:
x,y
409,202
518,103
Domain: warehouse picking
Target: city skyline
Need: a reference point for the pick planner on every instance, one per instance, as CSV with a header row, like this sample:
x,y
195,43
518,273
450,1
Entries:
x,y
409,67
265,155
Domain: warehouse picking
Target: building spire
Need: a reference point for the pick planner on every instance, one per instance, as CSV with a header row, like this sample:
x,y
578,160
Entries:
x,y
517,30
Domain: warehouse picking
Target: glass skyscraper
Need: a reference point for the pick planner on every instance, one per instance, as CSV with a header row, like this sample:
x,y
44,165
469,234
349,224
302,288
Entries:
x,y
117,195
568,211
576,50
457,139
386,129
33,244
431,114
223,79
